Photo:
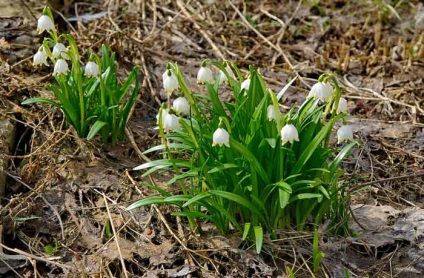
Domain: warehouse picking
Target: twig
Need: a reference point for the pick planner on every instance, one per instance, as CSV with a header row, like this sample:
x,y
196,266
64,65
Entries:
x,y
130,137
420,174
124,269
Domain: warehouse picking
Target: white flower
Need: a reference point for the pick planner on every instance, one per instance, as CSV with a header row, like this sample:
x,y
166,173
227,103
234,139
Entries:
x,y
44,23
164,113
40,57
270,112
222,77
321,90
171,122
91,69
245,85
221,137
61,67
165,75
60,51
181,105
342,107
204,75
170,82
344,133
289,134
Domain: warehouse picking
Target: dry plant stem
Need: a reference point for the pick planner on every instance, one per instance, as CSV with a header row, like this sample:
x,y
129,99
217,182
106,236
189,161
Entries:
x,y
381,97
278,48
115,236
130,137
357,186
218,52
31,256
42,197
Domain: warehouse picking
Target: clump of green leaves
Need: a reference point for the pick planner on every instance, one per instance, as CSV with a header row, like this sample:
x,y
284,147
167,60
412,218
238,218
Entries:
x,y
246,165
92,98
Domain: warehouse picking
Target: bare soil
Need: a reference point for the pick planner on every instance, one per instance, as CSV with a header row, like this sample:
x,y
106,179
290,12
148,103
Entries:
x,y
63,212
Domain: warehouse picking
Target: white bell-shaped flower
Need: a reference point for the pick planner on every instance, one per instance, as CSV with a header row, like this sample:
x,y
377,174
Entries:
x,y
60,51
245,85
220,137
344,133
44,23
222,77
165,74
321,90
91,69
40,58
181,105
61,67
204,75
165,112
289,134
270,112
342,107
170,82
171,122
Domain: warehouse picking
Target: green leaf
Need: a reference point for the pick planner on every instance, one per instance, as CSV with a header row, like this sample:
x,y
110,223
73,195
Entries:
x,y
259,238
284,197
41,100
147,201
281,93
193,214
302,196
246,230
223,167
98,125
196,198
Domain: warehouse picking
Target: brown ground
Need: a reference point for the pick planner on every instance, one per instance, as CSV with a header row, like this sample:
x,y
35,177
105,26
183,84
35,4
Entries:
x,y
62,191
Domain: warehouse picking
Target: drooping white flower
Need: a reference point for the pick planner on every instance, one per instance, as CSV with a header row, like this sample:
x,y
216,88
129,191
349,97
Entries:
x,y
321,90
165,112
220,137
60,51
222,77
44,23
270,112
40,57
342,107
204,75
245,85
165,74
181,105
344,133
289,134
61,67
91,69
171,122
170,82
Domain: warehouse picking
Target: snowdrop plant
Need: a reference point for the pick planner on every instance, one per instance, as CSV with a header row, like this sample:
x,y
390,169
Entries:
x,y
247,166
92,99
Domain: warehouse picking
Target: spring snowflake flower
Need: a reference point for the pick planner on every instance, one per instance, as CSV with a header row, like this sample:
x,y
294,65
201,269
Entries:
x,y
342,107
245,85
222,77
270,112
171,122
181,105
170,82
321,90
165,112
44,23
60,51
61,67
289,134
204,75
221,137
40,57
91,69
344,133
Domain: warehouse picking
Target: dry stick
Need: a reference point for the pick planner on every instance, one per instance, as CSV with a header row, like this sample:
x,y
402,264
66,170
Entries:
x,y
130,137
31,256
147,78
278,48
386,180
349,84
218,52
116,236
42,197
